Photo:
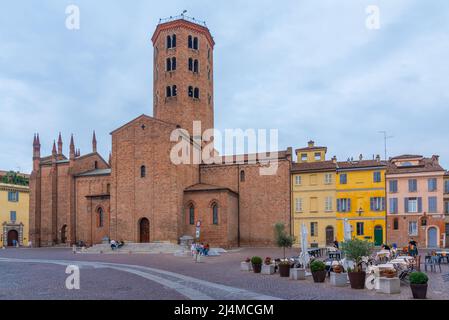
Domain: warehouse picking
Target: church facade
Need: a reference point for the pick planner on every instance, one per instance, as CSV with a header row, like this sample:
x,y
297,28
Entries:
x,y
140,194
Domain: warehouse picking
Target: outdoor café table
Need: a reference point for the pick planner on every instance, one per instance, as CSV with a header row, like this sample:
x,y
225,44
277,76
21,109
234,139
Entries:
x,y
314,252
336,255
383,253
399,261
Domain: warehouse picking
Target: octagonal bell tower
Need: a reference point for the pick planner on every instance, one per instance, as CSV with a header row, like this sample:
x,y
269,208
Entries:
x,y
183,73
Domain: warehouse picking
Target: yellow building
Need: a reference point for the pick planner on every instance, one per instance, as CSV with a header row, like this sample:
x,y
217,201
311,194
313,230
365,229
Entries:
x,y
313,196
14,214
361,199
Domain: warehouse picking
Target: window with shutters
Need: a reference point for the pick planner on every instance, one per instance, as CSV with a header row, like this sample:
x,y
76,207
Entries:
x,y
412,228
377,177
343,205
377,204
13,196
328,178
343,178
298,180
433,205
396,224
13,216
314,229
446,186
412,205
412,185
446,207
393,186
432,184
328,204
393,207
298,205
360,229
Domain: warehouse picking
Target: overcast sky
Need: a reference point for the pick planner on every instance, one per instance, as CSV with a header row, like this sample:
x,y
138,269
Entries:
x,y
311,69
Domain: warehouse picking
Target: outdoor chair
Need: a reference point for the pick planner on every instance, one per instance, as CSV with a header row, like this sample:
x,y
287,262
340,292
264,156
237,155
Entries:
x,y
416,264
433,262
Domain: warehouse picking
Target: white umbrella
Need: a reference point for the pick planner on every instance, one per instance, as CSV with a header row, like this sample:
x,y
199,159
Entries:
x,y
347,230
304,256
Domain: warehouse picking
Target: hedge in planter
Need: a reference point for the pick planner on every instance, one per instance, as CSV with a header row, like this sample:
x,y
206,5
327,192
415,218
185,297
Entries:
x,y
418,284
355,250
284,268
257,264
318,269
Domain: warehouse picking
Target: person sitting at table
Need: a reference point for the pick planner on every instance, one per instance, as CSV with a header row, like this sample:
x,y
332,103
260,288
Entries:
x,y
336,244
385,247
412,248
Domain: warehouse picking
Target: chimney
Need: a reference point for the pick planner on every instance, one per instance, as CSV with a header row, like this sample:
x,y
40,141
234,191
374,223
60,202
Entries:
x,y
334,159
435,159
378,158
289,153
360,157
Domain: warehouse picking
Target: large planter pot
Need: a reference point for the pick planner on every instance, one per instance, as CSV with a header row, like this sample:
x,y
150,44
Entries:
x,y
245,266
389,285
419,290
257,267
268,269
319,276
298,274
339,279
284,270
357,279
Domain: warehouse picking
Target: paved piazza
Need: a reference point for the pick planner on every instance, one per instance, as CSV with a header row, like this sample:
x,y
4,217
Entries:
x,y
40,274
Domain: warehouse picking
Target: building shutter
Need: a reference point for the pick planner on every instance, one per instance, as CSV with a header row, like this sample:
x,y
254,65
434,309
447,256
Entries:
x,y
420,204
348,207
406,205
338,205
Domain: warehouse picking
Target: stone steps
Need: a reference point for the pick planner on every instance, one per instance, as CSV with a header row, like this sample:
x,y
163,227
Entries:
x,y
158,247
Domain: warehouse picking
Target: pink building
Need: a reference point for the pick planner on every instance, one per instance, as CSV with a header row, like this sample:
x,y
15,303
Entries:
x,y
415,205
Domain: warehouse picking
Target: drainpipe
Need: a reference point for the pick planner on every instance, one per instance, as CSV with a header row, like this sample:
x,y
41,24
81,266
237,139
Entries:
x,y
238,207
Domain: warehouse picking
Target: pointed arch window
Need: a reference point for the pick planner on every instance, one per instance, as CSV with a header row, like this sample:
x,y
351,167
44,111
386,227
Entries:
x,y
168,92
195,66
100,217
173,41
169,42
242,176
190,42
215,214
168,64
190,91
196,93
195,43
190,64
173,63
192,214
174,91
143,171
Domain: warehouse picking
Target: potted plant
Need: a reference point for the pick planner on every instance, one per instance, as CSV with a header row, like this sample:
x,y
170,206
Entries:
x,y
418,284
246,265
389,273
338,277
284,268
337,268
257,264
268,266
318,269
283,240
355,250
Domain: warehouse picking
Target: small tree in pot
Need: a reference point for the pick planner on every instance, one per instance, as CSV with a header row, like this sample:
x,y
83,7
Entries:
x,y
318,269
418,284
257,264
283,240
355,250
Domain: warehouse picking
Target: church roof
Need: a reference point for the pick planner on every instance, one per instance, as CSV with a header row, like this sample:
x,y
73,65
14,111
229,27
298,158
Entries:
x,y
96,172
206,187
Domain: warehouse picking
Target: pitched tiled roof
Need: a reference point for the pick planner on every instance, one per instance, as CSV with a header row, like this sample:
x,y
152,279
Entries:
x,y
314,166
96,172
425,165
360,164
406,156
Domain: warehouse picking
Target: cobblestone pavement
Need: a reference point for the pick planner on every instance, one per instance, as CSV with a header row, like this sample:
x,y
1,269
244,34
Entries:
x,y
165,276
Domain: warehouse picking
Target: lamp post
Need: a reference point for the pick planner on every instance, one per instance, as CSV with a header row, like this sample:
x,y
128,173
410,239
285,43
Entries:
x,y
360,211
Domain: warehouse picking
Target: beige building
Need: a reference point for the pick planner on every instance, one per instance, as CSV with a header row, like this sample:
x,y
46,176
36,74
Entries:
x,y
313,196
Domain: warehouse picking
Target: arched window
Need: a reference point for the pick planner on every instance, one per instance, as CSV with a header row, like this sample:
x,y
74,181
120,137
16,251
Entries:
x,y
190,64
190,42
195,43
173,41
215,213
423,222
100,218
195,66
192,214
173,64
169,44
190,92
396,224
168,92
196,93
242,176
143,171
168,64
174,91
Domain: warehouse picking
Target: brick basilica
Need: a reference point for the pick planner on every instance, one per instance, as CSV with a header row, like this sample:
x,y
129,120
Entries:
x,y
139,194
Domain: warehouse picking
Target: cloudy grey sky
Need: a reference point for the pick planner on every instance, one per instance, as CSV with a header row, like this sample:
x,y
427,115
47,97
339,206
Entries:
x,y
309,68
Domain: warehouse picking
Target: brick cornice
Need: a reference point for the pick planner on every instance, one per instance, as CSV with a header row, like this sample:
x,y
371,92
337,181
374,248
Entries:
x,y
183,24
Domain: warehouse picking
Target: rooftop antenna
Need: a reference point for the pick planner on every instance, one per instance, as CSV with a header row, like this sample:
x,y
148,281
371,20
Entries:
x,y
183,12
386,137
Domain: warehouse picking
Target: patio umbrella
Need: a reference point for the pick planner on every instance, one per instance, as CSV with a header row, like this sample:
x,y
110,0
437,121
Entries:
x,y
304,256
347,230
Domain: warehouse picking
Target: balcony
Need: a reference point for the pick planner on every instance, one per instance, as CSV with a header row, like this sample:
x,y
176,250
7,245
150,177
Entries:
x,y
183,17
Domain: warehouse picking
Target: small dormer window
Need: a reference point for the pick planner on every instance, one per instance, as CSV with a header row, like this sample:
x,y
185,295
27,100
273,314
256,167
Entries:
x,y
317,156
304,157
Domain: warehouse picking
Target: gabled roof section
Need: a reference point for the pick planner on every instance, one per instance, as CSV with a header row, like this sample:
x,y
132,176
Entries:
x,y
206,187
143,116
318,166
361,164
96,172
